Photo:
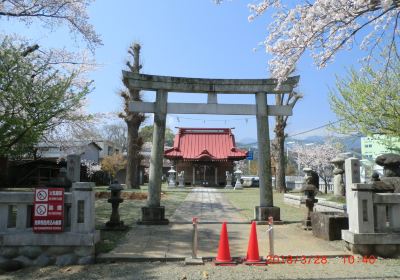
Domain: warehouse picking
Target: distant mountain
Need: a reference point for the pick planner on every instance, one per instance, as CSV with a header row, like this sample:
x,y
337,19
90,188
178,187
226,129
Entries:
x,y
246,141
313,139
351,143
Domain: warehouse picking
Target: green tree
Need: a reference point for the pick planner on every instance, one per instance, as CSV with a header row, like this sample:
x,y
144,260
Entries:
x,y
146,133
368,101
36,96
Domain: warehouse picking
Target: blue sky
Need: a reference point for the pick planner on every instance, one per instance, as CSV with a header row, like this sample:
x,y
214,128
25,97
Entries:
x,y
192,39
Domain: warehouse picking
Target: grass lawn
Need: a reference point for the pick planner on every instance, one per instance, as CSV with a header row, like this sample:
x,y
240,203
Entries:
x,y
130,212
331,197
248,198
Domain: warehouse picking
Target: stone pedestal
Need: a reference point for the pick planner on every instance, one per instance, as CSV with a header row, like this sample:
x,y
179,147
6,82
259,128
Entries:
x,y
310,201
238,175
228,181
238,185
153,216
171,184
329,225
261,213
181,183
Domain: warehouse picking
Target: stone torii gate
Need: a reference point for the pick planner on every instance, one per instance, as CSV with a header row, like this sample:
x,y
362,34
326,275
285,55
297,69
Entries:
x,y
154,213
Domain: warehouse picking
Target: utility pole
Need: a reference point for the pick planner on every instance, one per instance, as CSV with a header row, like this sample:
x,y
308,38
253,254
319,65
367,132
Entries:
x,y
249,163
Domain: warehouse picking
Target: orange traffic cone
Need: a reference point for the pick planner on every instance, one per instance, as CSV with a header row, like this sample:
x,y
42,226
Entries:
x,y
253,257
224,255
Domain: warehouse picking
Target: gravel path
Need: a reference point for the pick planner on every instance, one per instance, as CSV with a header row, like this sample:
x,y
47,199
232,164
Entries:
x,y
334,269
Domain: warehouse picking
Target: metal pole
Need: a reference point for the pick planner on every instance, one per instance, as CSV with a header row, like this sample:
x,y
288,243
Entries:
x,y
271,235
194,238
249,164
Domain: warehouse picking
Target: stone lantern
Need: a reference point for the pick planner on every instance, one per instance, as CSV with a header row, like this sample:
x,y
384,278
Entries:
x,y
391,170
338,183
390,163
115,223
171,177
238,175
310,189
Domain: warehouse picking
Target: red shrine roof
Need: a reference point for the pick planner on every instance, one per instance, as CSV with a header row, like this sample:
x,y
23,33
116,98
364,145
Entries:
x,y
215,144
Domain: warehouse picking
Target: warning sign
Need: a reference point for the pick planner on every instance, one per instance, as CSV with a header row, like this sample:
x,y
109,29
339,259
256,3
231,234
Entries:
x,y
48,213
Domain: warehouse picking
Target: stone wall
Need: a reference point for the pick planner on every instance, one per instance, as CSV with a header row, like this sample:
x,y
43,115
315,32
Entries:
x,y
321,206
329,206
293,200
373,210
21,247
14,257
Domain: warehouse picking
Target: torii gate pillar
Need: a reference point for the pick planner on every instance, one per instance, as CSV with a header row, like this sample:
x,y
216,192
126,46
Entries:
x,y
154,213
266,207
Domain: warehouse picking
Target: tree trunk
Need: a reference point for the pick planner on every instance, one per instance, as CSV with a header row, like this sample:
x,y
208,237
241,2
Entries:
x,y
326,186
133,121
280,125
280,163
134,157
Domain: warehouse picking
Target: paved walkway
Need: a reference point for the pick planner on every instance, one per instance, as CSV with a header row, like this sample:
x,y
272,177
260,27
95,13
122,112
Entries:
x,y
209,205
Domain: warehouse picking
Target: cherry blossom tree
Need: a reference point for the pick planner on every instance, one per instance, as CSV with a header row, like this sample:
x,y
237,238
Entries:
x,y
91,167
52,13
318,157
325,27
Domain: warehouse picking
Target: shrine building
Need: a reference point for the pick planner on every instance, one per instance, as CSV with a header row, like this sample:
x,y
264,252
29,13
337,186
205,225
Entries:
x,y
205,155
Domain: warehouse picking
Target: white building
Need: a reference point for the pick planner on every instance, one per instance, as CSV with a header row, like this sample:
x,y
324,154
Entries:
x,y
372,147
57,150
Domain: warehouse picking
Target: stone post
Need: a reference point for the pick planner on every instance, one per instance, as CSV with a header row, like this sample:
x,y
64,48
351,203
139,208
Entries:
x,y
352,171
338,184
154,213
82,208
266,208
74,168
